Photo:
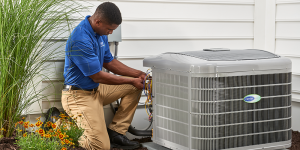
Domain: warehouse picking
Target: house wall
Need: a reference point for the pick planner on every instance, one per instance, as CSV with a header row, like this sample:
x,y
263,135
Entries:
x,y
287,41
152,27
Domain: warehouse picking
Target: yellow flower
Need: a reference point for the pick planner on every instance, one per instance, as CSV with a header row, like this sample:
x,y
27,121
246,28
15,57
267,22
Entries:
x,y
25,134
31,125
47,135
64,148
62,142
23,118
20,122
62,115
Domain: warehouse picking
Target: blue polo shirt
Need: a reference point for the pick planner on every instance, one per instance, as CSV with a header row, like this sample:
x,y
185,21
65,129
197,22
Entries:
x,y
86,51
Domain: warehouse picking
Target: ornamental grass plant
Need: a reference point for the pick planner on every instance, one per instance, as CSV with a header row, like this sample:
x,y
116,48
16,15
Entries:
x,y
28,31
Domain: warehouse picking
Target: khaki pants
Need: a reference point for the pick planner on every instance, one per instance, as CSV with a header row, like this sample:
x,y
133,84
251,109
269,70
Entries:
x,y
90,105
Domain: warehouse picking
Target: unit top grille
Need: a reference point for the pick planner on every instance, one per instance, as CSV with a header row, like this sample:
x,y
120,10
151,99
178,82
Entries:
x,y
228,55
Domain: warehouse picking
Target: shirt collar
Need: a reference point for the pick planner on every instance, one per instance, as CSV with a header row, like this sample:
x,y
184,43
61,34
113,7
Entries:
x,y
89,27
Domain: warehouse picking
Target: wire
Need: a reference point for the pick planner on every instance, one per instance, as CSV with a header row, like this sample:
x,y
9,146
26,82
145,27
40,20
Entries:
x,y
148,92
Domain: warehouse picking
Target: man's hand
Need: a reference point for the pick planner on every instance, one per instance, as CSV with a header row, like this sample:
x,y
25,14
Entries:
x,y
138,83
142,76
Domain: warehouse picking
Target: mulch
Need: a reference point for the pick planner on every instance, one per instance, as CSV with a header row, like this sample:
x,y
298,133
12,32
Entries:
x,y
295,140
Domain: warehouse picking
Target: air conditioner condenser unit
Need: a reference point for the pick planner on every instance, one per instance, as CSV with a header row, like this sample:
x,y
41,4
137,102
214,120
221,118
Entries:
x,y
221,99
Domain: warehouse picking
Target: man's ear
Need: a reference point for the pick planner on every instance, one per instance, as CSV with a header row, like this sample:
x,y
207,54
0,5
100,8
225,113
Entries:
x,y
98,22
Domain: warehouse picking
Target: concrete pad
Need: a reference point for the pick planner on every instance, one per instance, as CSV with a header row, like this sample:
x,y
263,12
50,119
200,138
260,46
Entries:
x,y
154,146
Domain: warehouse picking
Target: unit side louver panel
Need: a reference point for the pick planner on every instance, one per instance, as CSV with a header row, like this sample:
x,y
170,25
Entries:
x,y
172,109
172,137
219,116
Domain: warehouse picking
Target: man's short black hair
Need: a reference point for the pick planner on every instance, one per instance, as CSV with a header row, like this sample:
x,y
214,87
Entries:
x,y
110,12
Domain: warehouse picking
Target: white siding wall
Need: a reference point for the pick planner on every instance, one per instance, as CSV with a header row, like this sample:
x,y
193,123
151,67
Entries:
x,y
287,44
152,27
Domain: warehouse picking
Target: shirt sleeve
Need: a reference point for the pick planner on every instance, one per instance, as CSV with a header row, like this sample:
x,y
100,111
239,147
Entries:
x,y
83,55
107,54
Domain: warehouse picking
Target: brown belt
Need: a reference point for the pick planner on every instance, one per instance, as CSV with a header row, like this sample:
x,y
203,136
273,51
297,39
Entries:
x,y
66,88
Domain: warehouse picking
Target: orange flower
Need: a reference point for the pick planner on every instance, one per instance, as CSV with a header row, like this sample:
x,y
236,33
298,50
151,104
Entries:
x,y
80,115
48,124
20,122
31,125
25,126
62,142
23,118
25,134
61,136
53,125
71,139
67,141
38,124
41,131
58,131
64,148
16,124
26,123
51,131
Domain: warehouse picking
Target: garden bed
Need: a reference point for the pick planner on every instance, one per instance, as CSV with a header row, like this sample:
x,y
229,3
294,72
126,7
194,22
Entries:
x,y
8,144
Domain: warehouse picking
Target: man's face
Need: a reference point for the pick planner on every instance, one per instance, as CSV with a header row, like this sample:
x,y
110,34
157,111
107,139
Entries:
x,y
103,28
